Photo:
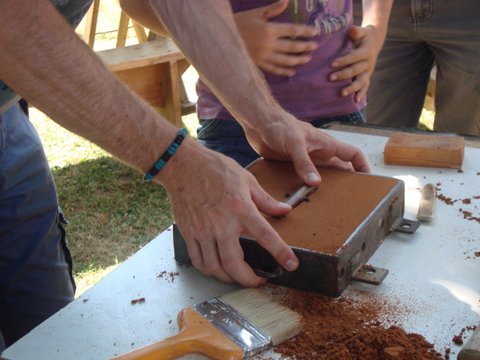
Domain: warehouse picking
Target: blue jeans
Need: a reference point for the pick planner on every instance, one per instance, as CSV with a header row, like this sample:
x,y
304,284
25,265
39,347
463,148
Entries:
x,y
35,264
228,137
422,33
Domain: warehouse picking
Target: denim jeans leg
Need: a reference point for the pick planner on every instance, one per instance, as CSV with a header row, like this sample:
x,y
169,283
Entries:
x,y
454,36
228,138
355,118
35,265
399,82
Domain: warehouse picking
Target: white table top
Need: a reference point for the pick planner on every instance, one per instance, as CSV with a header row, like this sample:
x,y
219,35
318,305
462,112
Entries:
x,y
434,270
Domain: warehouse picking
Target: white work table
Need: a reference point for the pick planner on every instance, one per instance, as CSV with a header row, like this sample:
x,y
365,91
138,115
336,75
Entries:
x,y
434,271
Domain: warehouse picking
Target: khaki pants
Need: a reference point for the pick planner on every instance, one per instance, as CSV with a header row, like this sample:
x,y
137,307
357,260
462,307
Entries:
x,y
421,34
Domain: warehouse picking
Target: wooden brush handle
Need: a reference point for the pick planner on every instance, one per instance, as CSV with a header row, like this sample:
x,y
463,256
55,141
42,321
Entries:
x,y
196,335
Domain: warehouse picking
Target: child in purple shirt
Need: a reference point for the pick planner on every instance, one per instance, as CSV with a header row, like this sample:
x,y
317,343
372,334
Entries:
x,y
315,61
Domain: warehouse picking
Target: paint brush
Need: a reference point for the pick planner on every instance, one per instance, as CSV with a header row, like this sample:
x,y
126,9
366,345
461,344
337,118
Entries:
x,y
232,326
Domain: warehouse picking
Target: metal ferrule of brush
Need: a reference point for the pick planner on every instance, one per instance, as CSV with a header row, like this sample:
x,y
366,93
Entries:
x,y
235,326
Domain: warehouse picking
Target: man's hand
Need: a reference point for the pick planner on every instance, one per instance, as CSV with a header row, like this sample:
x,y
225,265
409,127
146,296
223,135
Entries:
x,y
360,63
274,47
305,146
215,201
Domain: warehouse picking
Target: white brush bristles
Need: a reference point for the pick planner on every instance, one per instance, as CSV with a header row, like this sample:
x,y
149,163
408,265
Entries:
x,y
275,320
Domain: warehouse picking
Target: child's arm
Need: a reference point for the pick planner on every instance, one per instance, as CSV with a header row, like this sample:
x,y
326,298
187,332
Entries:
x,y
368,41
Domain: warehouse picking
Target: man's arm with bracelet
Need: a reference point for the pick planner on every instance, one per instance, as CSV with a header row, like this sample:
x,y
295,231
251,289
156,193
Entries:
x,y
214,200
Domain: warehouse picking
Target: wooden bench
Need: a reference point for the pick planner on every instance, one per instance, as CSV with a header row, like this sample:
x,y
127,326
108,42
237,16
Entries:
x,y
152,70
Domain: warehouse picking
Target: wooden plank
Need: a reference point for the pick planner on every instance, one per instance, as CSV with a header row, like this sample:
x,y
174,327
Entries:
x,y
429,103
140,32
91,23
432,83
151,70
443,151
148,53
171,94
157,84
122,30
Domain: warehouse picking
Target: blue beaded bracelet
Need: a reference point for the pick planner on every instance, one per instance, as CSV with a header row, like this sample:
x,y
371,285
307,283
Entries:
x,y
162,161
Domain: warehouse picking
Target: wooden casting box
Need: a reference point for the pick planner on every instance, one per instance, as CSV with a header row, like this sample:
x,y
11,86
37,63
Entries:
x,y
334,232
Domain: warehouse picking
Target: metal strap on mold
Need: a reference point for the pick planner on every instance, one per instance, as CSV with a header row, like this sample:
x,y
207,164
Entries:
x,y
406,226
369,274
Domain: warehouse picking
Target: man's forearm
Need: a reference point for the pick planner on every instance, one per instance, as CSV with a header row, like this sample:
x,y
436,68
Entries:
x,y
39,58
206,33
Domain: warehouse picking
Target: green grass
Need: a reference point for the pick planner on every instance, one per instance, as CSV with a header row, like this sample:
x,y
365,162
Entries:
x,y
111,210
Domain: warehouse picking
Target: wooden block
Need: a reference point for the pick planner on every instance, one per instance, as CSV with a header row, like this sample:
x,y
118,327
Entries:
x,y
442,151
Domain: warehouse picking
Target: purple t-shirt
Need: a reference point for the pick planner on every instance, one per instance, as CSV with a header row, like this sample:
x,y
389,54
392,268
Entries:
x,y
309,94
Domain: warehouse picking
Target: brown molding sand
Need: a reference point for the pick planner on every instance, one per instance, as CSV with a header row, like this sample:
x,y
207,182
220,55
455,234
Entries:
x,y
343,200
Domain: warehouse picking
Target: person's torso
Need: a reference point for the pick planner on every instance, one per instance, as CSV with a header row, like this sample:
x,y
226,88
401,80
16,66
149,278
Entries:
x,y
73,11
309,94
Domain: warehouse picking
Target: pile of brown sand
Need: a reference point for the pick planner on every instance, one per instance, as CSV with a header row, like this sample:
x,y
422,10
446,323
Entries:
x,y
344,329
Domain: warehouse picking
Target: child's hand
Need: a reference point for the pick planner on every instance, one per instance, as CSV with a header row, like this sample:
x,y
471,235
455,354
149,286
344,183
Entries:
x,y
360,63
275,47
